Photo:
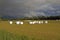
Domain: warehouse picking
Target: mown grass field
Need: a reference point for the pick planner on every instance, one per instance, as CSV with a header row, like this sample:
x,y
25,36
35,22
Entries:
x,y
50,31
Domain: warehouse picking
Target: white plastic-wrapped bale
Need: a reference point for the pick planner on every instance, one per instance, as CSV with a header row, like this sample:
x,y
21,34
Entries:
x,y
10,22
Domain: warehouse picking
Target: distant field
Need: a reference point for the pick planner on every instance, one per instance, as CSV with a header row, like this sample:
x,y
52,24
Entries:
x,y
50,31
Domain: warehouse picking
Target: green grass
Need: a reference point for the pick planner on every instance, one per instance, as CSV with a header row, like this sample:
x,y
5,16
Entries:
x,y
4,35
50,31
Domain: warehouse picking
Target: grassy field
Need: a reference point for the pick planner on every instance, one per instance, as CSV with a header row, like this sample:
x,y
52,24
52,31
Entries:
x,y
50,31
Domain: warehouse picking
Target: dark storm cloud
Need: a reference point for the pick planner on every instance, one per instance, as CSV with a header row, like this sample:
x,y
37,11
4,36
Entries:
x,y
25,7
13,7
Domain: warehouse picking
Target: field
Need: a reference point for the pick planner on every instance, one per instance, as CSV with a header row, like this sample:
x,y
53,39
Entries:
x,y
49,31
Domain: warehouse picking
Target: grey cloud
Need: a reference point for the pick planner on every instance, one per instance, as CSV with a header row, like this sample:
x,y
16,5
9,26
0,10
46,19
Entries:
x,y
25,7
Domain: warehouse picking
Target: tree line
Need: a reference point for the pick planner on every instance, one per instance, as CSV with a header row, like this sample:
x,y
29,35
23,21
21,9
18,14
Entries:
x,y
32,18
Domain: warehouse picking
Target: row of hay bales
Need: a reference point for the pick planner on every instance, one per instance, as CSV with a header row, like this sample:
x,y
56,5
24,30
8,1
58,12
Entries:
x,y
30,22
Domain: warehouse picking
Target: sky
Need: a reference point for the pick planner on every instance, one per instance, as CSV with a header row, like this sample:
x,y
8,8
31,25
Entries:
x,y
29,8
